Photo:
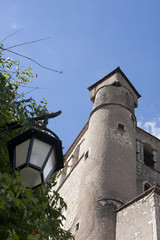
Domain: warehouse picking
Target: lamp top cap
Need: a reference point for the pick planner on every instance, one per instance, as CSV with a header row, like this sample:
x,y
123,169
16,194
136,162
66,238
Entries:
x,y
32,132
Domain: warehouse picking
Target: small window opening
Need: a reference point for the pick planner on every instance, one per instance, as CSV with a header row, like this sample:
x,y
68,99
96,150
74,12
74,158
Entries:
x,y
147,186
148,159
86,155
77,227
148,155
120,126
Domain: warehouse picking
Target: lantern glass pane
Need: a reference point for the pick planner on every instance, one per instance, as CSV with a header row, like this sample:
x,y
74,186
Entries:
x,y
30,177
50,165
39,152
21,153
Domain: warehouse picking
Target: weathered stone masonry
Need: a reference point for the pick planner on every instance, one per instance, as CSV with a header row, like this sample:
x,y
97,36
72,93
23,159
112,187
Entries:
x,y
111,162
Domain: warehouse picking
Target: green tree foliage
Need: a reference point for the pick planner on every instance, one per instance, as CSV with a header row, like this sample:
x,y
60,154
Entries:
x,y
25,214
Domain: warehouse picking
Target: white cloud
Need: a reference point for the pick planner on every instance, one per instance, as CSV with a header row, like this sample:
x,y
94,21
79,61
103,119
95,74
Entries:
x,y
139,124
153,127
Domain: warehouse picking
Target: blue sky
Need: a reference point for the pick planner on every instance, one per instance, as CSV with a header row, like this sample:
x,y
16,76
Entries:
x,y
88,39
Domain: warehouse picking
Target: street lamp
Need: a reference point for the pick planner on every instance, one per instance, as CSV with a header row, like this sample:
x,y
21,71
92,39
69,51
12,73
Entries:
x,y
36,154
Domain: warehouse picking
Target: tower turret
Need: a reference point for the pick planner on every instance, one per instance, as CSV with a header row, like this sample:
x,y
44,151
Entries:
x,y
109,174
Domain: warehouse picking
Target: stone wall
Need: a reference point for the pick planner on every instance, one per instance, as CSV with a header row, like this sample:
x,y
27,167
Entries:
x,y
147,174
140,219
70,178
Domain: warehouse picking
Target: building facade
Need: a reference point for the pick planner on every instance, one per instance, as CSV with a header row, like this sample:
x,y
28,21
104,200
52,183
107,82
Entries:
x,y
110,163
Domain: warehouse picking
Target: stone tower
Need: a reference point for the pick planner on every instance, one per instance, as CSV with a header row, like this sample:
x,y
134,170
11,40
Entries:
x,y
110,173
101,165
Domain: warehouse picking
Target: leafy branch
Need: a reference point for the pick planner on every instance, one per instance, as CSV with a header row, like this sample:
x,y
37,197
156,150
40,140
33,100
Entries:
x,y
24,214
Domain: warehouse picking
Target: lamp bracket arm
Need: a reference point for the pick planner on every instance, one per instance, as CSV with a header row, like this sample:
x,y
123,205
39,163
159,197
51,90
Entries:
x,y
31,122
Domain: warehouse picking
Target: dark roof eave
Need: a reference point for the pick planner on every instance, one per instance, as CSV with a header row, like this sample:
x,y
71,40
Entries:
x,y
154,189
138,128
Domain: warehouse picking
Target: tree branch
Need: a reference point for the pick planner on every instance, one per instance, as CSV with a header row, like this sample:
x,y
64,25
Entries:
x,y
31,87
12,34
31,90
50,69
21,44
